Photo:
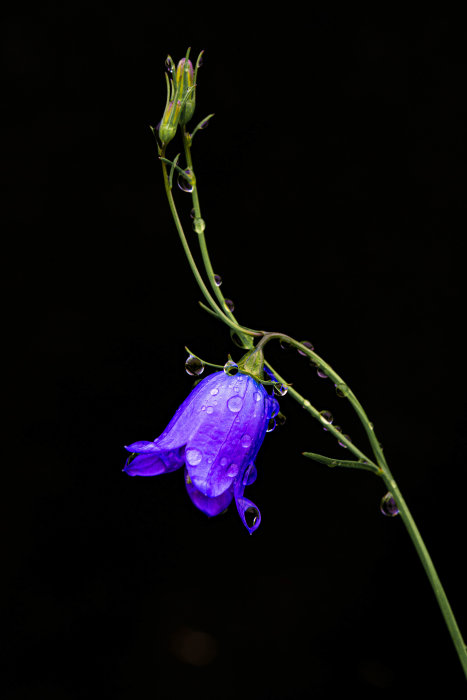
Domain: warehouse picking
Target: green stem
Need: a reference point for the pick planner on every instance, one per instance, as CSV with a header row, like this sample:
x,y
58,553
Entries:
x,y
221,314
202,241
246,334
430,570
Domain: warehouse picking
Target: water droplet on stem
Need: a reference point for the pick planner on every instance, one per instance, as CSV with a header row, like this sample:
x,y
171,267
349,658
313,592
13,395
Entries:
x,y
388,506
193,366
307,344
231,367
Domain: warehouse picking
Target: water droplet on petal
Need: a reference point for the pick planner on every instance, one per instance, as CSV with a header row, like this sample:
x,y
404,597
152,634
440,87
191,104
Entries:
x,y
280,389
218,280
223,462
229,304
232,470
231,367
257,396
183,183
235,403
193,456
321,373
246,440
271,425
251,516
307,344
209,409
193,366
214,392
388,505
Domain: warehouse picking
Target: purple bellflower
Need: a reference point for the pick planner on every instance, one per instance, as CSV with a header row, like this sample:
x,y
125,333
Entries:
x,y
215,434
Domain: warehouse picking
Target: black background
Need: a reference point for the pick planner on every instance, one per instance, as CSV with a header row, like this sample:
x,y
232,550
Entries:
x,y
332,181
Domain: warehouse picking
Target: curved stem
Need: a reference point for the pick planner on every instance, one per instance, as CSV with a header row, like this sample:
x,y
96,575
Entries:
x,y
429,567
341,385
199,225
227,317
219,313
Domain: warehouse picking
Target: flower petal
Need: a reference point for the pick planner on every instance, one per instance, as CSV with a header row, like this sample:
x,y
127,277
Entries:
x,y
142,447
190,414
155,463
209,505
250,475
230,436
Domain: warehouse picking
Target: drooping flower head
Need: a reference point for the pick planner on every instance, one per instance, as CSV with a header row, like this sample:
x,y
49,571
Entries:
x,y
215,434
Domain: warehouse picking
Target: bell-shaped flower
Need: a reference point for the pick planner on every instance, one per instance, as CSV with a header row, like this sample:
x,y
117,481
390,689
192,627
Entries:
x,y
215,434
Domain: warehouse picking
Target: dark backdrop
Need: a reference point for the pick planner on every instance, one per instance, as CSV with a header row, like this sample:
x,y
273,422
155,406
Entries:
x,y
332,180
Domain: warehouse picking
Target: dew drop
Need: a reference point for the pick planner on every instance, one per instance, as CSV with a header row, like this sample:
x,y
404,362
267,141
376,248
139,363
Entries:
x,y
388,505
285,344
218,280
307,344
251,516
271,425
343,444
214,392
235,403
257,396
341,390
281,419
232,470
203,408
168,64
192,213
246,440
229,305
193,366
204,124
209,409
193,456
280,389
230,367
223,462
321,373
326,416
183,183
199,225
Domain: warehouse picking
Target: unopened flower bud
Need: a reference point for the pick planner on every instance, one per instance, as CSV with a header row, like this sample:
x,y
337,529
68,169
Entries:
x,y
185,89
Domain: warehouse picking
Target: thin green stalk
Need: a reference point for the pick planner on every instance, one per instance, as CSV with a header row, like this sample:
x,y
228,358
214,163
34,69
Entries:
x,y
429,567
224,314
199,225
221,314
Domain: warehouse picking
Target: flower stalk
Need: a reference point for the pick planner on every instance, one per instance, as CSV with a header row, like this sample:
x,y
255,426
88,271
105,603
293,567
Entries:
x,y
217,307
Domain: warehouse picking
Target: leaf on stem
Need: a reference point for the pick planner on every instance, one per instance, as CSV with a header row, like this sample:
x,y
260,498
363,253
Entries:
x,y
331,462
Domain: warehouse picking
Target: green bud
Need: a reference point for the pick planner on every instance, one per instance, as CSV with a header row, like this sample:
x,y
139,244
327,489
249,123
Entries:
x,y
185,88
172,112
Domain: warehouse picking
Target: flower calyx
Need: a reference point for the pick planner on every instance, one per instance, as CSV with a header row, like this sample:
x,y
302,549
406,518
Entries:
x,y
252,363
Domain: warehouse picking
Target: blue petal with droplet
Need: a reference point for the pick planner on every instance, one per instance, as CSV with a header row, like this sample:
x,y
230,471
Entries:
x,y
217,432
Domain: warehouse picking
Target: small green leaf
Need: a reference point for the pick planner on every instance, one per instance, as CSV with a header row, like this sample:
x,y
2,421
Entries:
x,y
330,462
